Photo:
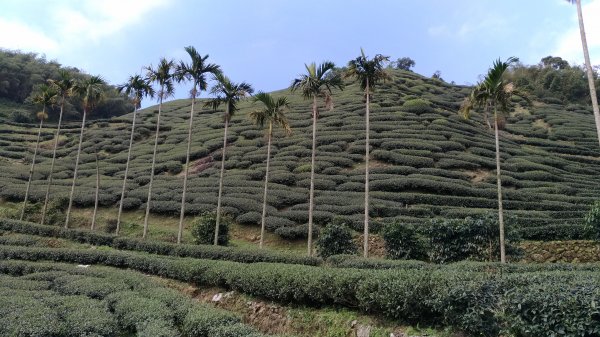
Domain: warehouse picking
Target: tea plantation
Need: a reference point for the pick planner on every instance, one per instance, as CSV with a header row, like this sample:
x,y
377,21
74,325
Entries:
x,y
426,161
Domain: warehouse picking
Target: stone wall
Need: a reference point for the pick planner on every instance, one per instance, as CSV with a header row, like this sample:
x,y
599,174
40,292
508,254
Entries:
x,y
561,251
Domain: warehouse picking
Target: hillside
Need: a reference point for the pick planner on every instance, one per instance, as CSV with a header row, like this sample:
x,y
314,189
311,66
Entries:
x,y
427,161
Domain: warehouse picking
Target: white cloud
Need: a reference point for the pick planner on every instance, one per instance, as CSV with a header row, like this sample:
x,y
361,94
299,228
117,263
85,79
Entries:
x,y
568,45
100,19
65,25
17,35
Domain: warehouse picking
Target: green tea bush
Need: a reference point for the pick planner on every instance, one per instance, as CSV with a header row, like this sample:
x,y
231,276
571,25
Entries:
x,y
335,239
592,221
403,242
298,232
203,228
417,106
452,240
472,297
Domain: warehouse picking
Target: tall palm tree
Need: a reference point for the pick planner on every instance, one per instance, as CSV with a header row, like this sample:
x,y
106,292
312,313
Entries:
x,y
317,82
163,76
229,94
46,97
588,66
91,90
272,113
196,72
135,88
493,93
64,89
368,72
97,192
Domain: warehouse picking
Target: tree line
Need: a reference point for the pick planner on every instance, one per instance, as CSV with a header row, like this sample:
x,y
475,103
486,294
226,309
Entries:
x,y
24,75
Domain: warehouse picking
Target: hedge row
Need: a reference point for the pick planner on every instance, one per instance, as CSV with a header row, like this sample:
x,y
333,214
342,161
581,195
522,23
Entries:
x,y
101,302
156,247
479,303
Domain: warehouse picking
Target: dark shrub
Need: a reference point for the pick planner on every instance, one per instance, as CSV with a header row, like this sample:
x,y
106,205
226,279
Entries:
x,y
203,229
403,242
336,238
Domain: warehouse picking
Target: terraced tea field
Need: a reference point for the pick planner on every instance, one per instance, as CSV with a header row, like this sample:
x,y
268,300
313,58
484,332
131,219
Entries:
x,y
426,161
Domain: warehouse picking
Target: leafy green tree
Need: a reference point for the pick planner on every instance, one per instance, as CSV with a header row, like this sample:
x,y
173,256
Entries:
x,y
335,238
163,76
494,92
196,72
368,72
317,82
227,93
588,65
404,63
136,88
203,229
46,97
272,113
403,242
64,89
91,90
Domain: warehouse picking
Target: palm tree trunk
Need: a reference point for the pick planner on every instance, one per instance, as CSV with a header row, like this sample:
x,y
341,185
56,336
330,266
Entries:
x,y
499,184
75,171
366,229
589,71
97,193
485,115
37,144
145,232
62,105
264,210
312,177
185,170
126,171
218,220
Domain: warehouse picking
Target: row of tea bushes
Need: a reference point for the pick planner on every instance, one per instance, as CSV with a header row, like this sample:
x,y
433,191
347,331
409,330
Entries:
x,y
479,301
50,299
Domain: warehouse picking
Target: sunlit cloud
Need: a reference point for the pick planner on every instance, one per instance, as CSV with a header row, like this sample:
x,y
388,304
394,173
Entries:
x,y
70,24
568,45
19,36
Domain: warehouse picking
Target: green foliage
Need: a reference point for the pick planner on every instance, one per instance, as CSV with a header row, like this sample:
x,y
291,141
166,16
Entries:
x,y
470,238
485,299
335,238
403,242
417,106
203,229
100,301
592,220
155,247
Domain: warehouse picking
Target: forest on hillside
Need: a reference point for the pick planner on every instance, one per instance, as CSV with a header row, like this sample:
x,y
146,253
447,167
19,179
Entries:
x,y
22,74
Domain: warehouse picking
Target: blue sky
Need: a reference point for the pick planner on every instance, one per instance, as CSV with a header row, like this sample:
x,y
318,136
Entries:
x,y
266,42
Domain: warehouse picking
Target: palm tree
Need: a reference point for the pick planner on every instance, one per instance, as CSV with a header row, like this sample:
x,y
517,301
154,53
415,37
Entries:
x,y
317,82
46,97
92,91
368,72
272,113
97,192
64,89
228,93
136,88
164,77
493,93
196,72
588,66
